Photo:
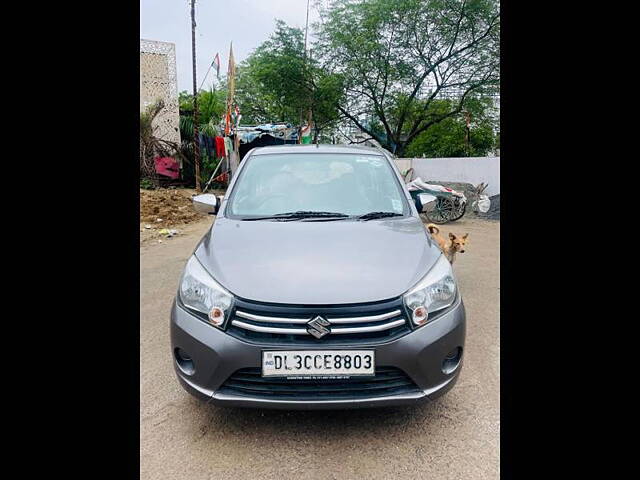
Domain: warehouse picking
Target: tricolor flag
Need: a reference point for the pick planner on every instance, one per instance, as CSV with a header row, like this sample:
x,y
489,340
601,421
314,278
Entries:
x,y
305,135
216,63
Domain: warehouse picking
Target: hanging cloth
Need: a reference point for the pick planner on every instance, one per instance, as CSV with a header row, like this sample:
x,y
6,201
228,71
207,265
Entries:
x,y
228,146
222,178
211,147
220,150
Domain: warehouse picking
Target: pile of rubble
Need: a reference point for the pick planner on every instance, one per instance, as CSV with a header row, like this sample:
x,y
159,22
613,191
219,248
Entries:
x,y
164,208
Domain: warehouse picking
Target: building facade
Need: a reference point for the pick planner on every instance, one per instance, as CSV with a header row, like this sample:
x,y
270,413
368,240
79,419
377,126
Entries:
x,y
158,81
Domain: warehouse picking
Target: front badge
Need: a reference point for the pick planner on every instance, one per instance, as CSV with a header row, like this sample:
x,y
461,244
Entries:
x,y
318,327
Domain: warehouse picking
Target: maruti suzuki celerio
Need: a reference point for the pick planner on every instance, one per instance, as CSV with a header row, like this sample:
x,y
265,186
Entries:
x,y
317,286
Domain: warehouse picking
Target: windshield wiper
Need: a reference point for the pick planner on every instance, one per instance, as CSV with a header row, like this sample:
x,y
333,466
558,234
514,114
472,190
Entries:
x,y
374,215
300,214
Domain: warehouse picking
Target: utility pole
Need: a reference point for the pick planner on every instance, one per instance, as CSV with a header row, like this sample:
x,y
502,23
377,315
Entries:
x,y
306,29
308,72
302,113
196,140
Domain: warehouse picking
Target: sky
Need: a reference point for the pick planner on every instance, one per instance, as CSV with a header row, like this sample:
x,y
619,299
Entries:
x,y
245,22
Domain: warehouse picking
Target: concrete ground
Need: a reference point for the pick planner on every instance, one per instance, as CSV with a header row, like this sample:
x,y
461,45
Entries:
x,y
453,437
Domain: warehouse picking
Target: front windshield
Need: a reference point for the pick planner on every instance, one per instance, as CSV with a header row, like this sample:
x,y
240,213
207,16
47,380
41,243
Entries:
x,y
350,184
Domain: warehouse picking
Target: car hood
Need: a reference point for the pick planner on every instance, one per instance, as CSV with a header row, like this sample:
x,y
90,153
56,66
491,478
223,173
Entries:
x,y
317,262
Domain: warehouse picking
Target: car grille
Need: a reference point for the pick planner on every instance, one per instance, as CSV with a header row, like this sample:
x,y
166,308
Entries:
x,y
347,324
248,382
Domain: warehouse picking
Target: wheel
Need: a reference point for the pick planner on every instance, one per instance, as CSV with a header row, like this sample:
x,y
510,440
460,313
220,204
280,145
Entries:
x,y
459,209
443,211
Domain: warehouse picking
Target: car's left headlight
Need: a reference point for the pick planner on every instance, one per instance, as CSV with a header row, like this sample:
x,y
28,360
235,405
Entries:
x,y
437,290
200,292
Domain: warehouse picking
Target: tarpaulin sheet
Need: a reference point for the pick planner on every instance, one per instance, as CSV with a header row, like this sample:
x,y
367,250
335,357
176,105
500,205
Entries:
x,y
167,166
281,131
419,184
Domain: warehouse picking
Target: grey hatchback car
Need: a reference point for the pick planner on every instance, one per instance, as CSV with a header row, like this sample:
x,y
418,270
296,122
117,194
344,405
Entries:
x,y
316,287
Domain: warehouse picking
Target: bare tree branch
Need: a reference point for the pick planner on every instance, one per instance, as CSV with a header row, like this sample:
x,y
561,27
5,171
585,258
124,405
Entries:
x,y
361,126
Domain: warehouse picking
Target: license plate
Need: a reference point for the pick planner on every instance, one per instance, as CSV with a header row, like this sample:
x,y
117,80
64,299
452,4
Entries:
x,y
318,363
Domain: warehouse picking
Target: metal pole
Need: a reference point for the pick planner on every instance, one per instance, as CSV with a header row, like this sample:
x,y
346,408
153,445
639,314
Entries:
x,y
196,139
213,175
205,77
306,28
306,59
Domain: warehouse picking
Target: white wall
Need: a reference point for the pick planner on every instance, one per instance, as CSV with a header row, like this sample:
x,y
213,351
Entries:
x,y
466,169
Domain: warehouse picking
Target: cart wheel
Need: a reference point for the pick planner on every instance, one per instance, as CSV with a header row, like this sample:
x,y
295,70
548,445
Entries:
x,y
459,210
443,211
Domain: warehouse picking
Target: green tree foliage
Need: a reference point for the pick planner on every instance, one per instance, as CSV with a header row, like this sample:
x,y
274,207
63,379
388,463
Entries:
x,y
279,83
211,107
448,138
395,59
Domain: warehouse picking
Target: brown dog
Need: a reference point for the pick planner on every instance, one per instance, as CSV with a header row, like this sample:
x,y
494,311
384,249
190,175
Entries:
x,y
456,244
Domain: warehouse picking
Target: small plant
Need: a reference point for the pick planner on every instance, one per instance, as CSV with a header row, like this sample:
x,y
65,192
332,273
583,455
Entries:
x,y
208,166
147,184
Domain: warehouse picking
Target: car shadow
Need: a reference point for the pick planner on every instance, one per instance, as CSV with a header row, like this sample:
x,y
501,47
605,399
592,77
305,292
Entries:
x,y
345,423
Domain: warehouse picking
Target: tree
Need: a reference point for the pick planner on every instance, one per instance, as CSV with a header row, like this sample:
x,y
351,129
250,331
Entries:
x,y
278,82
448,138
397,58
211,106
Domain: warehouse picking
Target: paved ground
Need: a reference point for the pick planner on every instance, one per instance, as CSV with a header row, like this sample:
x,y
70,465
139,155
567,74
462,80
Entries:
x,y
454,437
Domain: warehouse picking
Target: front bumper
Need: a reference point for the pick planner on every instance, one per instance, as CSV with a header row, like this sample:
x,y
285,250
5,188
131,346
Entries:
x,y
217,355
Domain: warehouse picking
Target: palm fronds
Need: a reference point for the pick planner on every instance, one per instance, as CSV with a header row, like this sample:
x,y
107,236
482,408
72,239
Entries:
x,y
152,146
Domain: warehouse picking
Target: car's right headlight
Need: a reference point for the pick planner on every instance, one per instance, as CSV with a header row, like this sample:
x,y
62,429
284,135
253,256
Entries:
x,y
200,292
437,290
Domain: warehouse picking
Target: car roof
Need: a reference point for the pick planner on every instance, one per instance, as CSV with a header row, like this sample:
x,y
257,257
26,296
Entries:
x,y
320,148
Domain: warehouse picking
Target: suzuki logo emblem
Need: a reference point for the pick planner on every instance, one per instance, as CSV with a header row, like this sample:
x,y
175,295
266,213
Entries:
x,y
317,327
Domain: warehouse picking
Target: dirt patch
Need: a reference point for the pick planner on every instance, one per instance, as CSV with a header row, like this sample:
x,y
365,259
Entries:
x,y
164,208
165,212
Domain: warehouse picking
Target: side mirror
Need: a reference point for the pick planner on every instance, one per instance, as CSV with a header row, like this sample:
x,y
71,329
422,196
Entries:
x,y
206,203
426,202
